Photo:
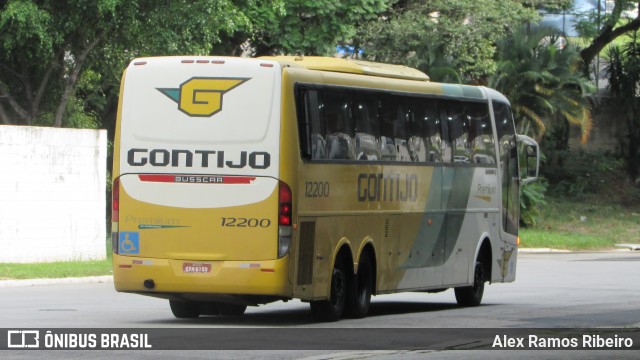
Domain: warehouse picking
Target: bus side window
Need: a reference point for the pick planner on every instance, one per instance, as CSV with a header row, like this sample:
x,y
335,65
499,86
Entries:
x,y
415,127
393,129
365,117
434,130
315,117
425,143
400,126
303,118
481,134
457,128
387,114
448,116
340,130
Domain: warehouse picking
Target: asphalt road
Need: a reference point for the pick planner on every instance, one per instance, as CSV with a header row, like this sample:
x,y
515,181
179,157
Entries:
x,y
552,290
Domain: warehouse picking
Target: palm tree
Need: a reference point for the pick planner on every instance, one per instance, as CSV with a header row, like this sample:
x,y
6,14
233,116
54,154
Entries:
x,y
623,72
543,81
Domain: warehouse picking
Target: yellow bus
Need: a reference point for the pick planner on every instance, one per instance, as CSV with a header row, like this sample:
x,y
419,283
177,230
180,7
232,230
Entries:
x,y
239,182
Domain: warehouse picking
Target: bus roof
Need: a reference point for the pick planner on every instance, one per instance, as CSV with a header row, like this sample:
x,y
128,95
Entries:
x,y
351,66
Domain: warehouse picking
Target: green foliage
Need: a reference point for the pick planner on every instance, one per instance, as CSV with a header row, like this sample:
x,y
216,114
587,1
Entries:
x,y
46,46
623,73
605,29
583,176
542,81
549,5
30,27
589,23
564,240
61,60
53,270
531,200
589,204
309,27
583,224
183,27
443,34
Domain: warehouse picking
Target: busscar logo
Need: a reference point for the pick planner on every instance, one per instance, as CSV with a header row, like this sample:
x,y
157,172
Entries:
x,y
201,96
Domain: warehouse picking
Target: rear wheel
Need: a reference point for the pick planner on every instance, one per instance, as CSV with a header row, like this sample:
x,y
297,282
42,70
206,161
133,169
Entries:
x,y
359,296
184,309
209,308
472,295
332,309
231,309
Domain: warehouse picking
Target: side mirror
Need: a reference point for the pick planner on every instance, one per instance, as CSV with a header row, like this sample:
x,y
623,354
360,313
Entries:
x,y
531,159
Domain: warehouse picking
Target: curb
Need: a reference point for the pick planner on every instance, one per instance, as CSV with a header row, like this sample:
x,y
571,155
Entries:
x,y
541,250
61,281
632,247
623,248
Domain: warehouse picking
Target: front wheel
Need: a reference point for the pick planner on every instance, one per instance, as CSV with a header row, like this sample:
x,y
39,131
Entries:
x,y
472,295
332,309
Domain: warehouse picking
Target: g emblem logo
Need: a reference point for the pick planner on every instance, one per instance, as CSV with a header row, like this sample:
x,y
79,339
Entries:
x,y
200,96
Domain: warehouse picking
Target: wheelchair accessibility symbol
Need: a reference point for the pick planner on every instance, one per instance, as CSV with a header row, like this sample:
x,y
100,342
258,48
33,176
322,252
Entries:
x,y
129,243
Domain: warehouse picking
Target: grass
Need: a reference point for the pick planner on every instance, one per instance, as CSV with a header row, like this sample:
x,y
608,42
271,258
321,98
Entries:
x,y
62,269
587,224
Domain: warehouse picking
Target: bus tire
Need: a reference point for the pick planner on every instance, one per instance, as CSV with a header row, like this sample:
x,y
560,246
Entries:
x,y
472,295
231,309
332,309
184,309
359,296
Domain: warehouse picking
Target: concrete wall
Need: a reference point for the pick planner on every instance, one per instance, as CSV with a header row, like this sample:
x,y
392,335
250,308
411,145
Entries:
x,y
52,194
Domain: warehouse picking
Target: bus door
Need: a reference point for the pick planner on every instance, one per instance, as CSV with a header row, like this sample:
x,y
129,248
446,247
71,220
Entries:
x,y
509,176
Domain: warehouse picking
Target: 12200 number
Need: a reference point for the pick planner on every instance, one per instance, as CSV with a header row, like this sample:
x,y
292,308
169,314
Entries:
x,y
245,222
316,189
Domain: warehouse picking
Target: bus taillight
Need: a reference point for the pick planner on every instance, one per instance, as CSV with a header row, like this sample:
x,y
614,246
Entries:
x,y
284,219
284,201
115,214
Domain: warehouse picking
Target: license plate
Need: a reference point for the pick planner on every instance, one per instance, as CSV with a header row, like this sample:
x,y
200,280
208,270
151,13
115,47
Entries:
x,y
196,268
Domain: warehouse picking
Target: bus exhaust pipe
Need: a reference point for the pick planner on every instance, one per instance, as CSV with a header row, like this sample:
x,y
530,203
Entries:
x,y
149,284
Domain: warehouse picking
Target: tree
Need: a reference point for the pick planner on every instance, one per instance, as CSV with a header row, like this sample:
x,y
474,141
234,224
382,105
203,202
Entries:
x,y
310,27
443,34
542,81
614,26
46,47
61,60
623,73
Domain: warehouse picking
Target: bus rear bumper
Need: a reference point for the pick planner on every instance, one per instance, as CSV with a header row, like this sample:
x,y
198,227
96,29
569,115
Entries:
x,y
173,278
